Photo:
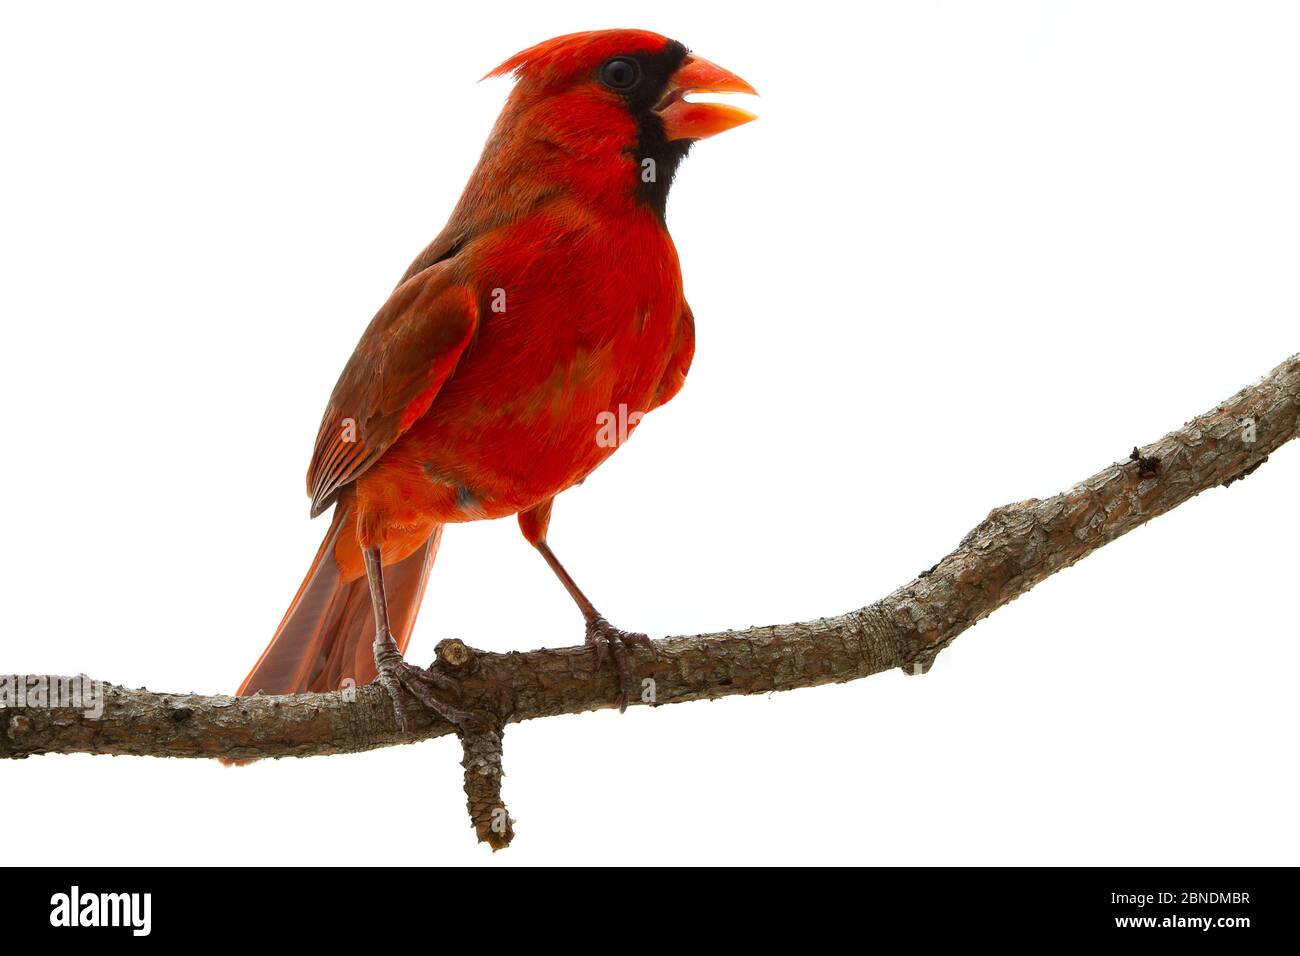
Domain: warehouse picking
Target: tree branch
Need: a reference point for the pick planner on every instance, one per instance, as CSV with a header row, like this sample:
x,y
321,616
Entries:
x,y
1009,552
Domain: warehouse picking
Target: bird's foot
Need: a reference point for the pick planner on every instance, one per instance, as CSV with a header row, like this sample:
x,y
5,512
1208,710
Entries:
x,y
608,639
409,685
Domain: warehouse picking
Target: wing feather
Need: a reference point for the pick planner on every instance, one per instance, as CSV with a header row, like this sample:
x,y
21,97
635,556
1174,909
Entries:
x,y
408,351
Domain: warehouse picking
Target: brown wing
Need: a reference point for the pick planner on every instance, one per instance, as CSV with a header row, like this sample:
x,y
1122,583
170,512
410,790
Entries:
x,y
408,351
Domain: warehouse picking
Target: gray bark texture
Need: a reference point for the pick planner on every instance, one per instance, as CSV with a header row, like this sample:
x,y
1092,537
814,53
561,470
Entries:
x,y
1009,552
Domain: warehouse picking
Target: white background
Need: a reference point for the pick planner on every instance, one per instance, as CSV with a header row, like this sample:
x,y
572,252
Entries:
x,y
970,254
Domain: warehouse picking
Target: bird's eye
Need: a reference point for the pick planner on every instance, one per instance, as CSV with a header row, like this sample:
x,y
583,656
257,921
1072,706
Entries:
x,y
620,73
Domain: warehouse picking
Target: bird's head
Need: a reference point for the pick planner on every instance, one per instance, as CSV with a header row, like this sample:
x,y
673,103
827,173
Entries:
x,y
617,98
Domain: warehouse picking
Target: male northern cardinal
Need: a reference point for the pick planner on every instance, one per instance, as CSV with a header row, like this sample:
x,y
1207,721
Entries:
x,y
553,295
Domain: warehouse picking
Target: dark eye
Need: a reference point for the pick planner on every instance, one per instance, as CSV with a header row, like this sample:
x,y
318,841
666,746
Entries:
x,y
620,73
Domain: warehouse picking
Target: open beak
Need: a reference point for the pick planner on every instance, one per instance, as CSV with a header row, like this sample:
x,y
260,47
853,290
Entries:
x,y
683,120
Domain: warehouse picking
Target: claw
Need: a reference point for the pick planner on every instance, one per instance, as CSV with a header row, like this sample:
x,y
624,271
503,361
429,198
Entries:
x,y
642,640
607,640
404,681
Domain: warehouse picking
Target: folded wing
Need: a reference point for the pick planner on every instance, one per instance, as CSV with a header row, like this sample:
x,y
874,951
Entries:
x,y
408,351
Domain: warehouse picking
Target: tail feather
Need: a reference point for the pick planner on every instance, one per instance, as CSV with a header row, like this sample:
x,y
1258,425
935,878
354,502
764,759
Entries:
x,y
326,635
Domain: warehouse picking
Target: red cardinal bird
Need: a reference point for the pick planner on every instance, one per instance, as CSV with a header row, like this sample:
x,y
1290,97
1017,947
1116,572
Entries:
x,y
552,296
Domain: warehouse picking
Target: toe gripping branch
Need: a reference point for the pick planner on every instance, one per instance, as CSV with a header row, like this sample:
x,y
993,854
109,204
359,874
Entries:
x,y
481,741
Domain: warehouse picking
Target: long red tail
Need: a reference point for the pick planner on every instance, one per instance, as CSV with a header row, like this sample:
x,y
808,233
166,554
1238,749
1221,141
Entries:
x,y
326,636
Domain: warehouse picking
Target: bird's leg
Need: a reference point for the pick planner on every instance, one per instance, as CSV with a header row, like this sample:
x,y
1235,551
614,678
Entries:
x,y
402,680
601,635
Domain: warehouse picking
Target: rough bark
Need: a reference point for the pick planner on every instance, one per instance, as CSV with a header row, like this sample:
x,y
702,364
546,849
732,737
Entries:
x,y
1009,552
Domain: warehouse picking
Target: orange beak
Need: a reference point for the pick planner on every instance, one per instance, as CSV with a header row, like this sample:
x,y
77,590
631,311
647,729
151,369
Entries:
x,y
683,120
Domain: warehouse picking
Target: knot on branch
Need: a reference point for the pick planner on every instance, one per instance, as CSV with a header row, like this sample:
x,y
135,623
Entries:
x,y
454,653
920,662
1019,514
1148,465
483,773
